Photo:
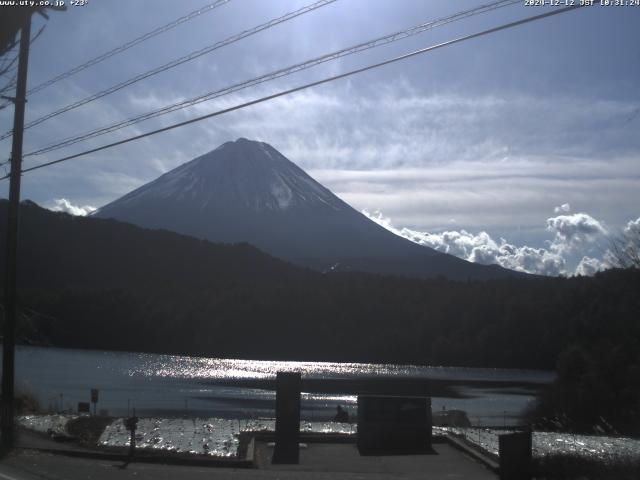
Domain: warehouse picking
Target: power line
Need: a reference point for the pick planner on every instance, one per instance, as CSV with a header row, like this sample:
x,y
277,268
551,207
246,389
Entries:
x,y
128,45
309,85
179,61
393,37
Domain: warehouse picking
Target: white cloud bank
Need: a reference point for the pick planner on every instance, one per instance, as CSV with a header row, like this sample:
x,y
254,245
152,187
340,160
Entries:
x,y
64,205
573,234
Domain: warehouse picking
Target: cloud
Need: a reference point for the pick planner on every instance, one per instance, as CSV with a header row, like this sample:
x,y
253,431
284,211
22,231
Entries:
x,y
64,205
590,266
632,227
482,248
495,195
573,231
573,234
565,207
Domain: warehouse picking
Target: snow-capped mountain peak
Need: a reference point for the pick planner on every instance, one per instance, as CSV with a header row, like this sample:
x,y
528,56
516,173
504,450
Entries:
x,y
247,191
248,173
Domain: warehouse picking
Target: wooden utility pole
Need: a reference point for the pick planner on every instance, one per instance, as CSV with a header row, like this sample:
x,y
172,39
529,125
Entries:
x,y
7,434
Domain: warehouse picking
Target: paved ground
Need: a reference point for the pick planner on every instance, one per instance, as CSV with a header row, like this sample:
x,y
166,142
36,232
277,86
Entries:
x,y
318,462
343,458
36,440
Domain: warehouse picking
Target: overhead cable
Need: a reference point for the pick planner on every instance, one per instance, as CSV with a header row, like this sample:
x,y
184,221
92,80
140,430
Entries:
x,y
176,62
308,85
127,46
393,37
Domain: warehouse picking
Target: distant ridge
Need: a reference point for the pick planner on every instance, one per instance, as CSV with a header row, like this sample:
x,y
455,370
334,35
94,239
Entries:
x,y
247,191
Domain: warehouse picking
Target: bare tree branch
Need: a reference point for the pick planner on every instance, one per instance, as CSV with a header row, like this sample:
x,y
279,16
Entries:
x,y
625,248
8,64
9,60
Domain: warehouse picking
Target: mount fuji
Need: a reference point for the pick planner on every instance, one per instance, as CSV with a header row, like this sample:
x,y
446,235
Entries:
x,y
247,191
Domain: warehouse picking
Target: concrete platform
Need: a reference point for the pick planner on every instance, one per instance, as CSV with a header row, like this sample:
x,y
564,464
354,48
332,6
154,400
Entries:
x,y
320,461
446,462
324,458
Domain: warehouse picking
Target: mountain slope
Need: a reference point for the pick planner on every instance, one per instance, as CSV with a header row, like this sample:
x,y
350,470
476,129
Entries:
x,y
246,191
58,250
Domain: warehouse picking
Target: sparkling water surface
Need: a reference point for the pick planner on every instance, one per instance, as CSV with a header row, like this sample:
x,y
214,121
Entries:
x,y
174,386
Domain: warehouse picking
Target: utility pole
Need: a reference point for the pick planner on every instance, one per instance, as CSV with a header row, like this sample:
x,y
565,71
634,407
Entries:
x,y
7,434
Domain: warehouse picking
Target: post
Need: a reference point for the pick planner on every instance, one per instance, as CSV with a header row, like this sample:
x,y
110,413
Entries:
x,y
131,424
287,418
94,399
8,344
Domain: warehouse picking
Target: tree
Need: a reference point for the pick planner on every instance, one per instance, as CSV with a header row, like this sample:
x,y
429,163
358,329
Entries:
x,y
12,18
624,251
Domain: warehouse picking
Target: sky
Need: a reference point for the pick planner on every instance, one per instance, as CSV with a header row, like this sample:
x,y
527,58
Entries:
x,y
519,148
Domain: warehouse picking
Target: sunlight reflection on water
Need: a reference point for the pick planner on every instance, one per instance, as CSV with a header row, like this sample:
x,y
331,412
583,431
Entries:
x,y
176,366
174,385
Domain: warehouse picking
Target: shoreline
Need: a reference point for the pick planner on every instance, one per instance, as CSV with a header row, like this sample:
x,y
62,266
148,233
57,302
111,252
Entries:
x,y
388,385
181,441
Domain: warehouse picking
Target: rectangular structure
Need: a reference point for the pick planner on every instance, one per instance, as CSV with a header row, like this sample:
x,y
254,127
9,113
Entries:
x,y
287,418
393,425
515,456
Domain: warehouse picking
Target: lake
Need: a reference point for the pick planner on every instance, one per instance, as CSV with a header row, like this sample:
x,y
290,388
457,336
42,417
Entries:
x,y
174,385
